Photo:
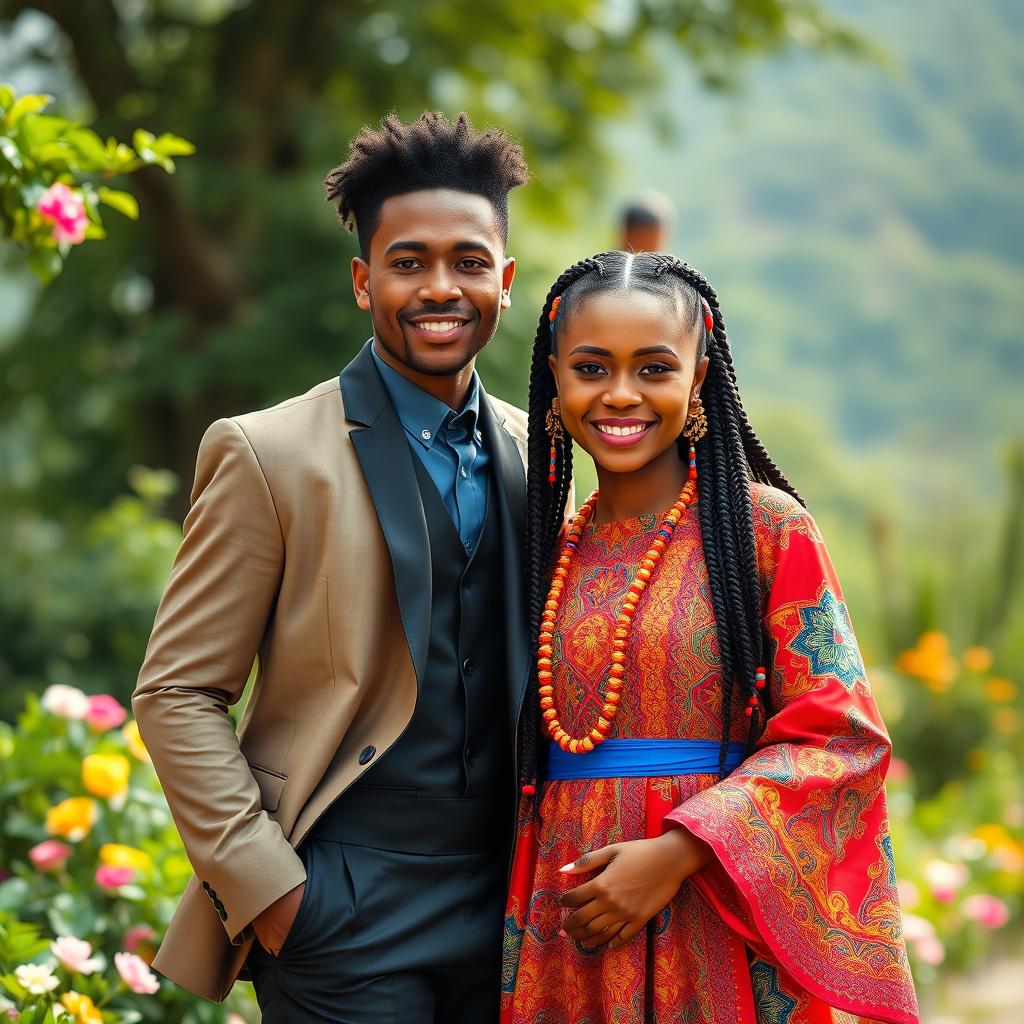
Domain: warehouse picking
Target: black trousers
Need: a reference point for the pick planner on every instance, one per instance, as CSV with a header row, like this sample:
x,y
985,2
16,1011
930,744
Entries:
x,y
383,937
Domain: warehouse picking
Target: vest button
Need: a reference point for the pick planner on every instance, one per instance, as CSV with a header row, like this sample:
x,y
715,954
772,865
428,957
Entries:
x,y
469,666
366,753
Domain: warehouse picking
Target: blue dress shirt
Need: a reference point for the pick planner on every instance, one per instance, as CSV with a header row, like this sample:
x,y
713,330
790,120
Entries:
x,y
449,444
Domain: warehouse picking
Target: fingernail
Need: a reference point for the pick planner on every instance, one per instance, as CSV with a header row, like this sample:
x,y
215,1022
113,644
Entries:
x,y
567,867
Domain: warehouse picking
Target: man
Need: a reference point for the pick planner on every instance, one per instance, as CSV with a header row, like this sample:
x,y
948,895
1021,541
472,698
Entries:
x,y
363,540
647,222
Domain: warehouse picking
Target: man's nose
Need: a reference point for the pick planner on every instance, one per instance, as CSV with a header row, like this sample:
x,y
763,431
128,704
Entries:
x,y
440,286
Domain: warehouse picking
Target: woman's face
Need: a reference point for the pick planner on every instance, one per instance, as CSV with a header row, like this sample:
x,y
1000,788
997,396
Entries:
x,y
625,370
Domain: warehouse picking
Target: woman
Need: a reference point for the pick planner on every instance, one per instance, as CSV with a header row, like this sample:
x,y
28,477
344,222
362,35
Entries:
x,y
709,840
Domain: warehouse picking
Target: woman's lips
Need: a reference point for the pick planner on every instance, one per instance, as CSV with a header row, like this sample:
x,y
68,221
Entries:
x,y
621,433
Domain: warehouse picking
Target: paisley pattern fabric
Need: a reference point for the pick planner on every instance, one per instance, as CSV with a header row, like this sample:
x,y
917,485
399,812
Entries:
x,y
796,921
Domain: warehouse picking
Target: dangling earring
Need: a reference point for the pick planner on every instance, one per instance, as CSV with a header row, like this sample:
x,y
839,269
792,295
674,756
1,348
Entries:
x,y
555,430
696,425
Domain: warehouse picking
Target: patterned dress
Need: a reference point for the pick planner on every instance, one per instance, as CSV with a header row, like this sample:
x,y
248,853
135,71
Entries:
x,y
796,921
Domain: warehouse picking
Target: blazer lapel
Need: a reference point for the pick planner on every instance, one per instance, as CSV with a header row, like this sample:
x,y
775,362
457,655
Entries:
x,y
510,486
386,462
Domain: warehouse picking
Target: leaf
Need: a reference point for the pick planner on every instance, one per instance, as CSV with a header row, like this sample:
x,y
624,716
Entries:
x,y
27,104
9,149
123,202
90,148
6,96
46,264
143,141
173,145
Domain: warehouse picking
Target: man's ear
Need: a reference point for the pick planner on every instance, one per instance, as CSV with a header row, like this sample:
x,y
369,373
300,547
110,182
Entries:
x,y
361,282
508,272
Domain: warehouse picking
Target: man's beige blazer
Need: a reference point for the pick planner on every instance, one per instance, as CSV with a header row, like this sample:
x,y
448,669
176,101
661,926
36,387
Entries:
x,y
306,550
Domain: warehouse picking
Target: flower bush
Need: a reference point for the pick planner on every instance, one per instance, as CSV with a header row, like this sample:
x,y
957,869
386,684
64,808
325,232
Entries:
x,y
52,172
956,798
91,870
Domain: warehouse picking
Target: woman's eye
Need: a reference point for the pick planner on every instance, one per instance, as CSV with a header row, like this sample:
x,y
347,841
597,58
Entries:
x,y
656,369
589,369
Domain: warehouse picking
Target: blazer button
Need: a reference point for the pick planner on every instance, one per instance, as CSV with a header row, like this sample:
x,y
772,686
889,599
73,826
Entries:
x,y
469,666
366,754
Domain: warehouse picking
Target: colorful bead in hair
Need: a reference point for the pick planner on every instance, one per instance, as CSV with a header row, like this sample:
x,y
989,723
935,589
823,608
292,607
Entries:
x,y
709,320
554,308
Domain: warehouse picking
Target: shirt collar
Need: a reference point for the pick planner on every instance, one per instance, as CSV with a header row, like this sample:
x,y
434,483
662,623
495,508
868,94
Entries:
x,y
422,415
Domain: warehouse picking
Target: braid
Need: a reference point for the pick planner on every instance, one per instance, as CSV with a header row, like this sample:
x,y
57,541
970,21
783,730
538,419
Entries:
x,y
730,456
545,503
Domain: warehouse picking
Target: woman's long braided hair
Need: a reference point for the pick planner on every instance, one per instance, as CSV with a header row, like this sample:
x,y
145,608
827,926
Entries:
x,y
729,456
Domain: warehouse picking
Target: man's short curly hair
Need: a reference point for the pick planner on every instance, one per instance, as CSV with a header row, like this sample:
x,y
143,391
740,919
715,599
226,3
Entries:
x,y
432,152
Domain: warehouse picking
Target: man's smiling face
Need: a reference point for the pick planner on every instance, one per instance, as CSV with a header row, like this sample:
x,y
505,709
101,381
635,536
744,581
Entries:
x,y
436,279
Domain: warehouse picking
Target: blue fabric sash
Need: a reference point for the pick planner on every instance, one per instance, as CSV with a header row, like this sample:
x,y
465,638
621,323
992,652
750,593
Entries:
x,y
630,758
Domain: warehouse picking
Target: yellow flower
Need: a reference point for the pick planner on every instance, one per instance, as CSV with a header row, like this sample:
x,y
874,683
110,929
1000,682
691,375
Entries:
x,y
72,818
930,661
1005,721
81,1008
977,659
130,734
117,856
106,775
1000,690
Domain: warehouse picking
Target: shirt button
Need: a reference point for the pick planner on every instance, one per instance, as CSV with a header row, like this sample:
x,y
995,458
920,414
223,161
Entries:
x,y
469,666
366,754
462,472
425,434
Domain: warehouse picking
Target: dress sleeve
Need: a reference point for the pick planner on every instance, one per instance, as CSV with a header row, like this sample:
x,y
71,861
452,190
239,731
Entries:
x,y
804,870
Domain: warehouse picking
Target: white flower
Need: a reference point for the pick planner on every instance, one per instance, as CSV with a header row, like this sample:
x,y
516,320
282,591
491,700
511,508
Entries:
x,y
36,978
65,701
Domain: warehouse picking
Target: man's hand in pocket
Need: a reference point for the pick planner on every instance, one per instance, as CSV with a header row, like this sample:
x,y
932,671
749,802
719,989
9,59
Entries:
x,y
273,924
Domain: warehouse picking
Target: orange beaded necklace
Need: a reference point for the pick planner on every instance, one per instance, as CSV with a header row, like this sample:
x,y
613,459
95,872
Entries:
x,y
613,691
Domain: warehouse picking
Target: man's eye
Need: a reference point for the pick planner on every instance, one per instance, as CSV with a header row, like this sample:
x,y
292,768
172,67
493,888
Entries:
x,y
471,264
409,264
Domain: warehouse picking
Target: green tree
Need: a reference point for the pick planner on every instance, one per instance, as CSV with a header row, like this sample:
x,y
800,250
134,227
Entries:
x,y
232,290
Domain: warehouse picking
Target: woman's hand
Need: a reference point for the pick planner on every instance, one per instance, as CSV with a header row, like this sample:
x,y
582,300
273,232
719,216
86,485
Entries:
x,y
639,880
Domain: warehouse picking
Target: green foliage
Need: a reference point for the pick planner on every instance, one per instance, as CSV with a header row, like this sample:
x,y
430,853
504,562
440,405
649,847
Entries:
x,y
38,150
78,596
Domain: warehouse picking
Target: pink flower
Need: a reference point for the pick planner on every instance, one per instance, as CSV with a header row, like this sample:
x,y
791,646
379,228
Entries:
x,y
136,934
111,878
75,955
946,878
65,701
909,894
50,855
64,208
105,712
930,951
988,911
135,973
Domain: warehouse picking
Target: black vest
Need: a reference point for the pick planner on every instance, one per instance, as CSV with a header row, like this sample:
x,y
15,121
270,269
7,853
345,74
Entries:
x,y
458,742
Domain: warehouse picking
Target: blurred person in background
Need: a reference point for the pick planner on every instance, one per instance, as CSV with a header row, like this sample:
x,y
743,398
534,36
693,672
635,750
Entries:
x,y
703,833
363,542
647,222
